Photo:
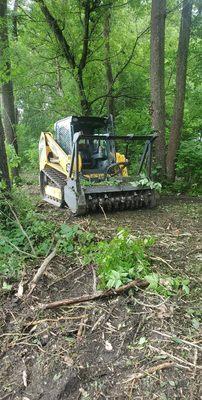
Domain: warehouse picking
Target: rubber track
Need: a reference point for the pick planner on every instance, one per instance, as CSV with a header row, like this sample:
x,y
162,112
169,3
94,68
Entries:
x,y
59,180
56,177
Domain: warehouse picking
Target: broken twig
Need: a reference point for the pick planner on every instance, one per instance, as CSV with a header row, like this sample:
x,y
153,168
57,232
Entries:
x,y
150,370
157,258
177,338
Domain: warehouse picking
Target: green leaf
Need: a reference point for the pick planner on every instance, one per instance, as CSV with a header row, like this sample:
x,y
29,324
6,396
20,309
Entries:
x,y
186,289
153,280
195,323
142,340
177,340
6,286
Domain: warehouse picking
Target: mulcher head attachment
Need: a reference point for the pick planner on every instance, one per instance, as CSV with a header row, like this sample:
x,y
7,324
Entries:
x,y
87,192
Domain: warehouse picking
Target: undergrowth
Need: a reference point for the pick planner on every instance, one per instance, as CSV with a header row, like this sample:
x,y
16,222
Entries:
x,y
127,257
120,260
26,234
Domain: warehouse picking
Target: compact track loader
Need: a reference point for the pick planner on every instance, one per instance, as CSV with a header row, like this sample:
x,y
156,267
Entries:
x,y
82,169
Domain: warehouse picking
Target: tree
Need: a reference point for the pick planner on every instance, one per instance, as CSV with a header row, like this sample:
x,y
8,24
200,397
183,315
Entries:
x,y
4,173
9,111
108,66
181,73
158,14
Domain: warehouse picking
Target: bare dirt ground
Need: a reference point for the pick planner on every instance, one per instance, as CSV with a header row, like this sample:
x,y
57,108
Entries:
x,y
136,346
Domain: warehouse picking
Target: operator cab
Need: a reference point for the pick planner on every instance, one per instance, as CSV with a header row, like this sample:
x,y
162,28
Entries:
x,y
96,154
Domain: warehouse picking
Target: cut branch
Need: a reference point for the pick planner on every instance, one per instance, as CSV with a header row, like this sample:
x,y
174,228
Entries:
x,y
95,296
41,271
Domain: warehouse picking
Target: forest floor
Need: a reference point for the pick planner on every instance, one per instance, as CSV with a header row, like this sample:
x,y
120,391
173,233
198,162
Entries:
x,y
92,351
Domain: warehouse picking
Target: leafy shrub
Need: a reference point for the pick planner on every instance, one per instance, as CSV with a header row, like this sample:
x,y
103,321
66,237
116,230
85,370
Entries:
x,y
121,260
143,181
125,258
18,222
20,225
167,285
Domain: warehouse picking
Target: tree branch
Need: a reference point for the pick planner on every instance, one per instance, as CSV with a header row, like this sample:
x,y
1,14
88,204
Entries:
x,y
52,22
146,30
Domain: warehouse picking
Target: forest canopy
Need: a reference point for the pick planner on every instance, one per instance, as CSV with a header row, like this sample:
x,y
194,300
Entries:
x,y
93,57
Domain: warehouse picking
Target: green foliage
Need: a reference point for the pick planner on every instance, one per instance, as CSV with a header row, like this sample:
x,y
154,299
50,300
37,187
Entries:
x,y
2,184
122,259
125,258
72,238
141,182
148,183
18,222
189,167
31,156
13,159
28,226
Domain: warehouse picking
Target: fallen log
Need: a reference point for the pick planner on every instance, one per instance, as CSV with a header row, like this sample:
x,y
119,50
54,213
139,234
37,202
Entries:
x,y
138,283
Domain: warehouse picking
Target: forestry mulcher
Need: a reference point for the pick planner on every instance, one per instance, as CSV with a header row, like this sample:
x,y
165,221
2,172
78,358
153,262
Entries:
x,y
82,169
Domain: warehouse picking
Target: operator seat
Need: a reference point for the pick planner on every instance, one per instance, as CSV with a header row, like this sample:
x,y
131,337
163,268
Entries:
x,y
86,156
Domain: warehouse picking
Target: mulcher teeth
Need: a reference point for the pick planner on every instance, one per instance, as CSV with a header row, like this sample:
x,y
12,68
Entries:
x,y
118,202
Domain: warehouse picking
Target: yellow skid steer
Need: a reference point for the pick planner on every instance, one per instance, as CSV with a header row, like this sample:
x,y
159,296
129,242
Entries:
x,y
80,168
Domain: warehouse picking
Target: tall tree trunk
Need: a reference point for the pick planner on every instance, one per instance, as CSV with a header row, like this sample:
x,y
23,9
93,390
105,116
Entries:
x,y
158,15
108,67
9,112
4,173
85,105
181,72
15,20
